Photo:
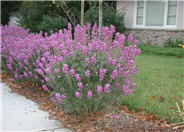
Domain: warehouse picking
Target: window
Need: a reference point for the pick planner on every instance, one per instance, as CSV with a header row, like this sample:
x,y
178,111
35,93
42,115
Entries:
x,y
171,13
140,9
156,13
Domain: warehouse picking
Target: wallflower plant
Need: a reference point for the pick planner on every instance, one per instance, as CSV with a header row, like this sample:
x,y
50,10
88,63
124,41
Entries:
x,y
85,73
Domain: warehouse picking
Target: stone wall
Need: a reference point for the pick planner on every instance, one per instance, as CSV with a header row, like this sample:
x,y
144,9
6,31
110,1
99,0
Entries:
x,y
156,37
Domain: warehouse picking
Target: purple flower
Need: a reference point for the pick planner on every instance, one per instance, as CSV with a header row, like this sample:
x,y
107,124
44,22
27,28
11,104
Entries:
x,y
117,85
77,94
26,68
45,88
111,61
132,85
72,72
87,61
58,96
60,58
77,77
87,73
84,50
43,60
124,88
31,74
57,70
61,89
135,71
39,71
69,26
93,59
126,74
47,71
42,81
115,116
12,79
114,74
79,85
107,88
36,77
130,38
53,100
102,73
41,65
26,62
20,65
65,68
89,94
136,42
64,96
47,79
99,89
25,75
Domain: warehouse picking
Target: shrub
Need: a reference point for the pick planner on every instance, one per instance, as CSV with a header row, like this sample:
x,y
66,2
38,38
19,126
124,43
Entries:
x,y
110,17
49,23
85,73
18,51
93,73
173,42
30,15
46,15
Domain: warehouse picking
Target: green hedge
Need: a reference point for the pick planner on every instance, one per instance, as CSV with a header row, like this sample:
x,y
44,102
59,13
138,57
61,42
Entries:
x,y
110,17
148,49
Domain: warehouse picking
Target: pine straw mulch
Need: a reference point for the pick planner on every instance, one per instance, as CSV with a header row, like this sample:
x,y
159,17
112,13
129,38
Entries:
x,y
126,120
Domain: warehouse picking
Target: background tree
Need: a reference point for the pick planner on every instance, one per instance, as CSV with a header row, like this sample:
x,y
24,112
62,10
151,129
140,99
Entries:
x,y
8,7
110,16
47,16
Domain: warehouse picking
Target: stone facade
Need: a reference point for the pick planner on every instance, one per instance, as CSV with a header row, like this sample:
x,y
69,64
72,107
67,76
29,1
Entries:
x,y
156,37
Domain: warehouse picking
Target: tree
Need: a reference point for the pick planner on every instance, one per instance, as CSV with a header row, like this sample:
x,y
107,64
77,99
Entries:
x,y
7,8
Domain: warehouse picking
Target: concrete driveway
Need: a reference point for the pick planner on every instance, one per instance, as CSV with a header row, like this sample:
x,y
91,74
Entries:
x,y
19,114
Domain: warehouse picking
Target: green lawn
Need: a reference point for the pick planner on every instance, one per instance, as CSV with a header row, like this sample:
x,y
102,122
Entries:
x,y
159,81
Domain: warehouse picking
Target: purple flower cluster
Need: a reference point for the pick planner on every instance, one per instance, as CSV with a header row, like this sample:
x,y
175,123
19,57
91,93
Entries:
x,y
87,64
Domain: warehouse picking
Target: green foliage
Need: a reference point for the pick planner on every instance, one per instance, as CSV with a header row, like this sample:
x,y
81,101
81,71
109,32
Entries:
x,y
52,23
110,17
67,85
31,13
46,15
167,51
7,8
173,42
38,15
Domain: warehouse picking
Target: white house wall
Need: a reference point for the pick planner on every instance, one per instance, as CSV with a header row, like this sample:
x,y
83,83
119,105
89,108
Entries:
x,y
127,7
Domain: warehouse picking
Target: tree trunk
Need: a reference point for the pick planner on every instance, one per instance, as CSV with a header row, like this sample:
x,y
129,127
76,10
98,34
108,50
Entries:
x,y
82,12
89,17
100,16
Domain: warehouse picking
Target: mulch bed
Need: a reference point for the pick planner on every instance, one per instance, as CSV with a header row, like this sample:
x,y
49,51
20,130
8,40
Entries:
x,y
125,121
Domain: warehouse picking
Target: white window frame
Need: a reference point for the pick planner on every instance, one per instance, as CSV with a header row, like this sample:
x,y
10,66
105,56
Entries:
x,y
165,26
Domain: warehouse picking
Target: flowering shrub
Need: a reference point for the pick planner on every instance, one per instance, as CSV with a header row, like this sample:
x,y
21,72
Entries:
x,y
85,72
18,51
181,45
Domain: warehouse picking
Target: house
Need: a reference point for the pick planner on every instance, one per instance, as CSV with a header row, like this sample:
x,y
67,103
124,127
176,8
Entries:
x,y
154,22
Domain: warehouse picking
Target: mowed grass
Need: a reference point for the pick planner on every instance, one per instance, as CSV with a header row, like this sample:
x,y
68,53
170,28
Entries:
x,y
159,84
